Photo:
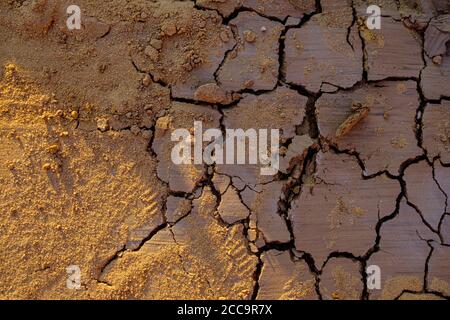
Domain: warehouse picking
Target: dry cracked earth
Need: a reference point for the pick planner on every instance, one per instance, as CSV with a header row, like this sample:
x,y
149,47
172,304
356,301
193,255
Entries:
x,y
86,177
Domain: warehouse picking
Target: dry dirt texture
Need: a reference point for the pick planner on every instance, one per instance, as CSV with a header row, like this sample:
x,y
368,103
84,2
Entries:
x,y
86,177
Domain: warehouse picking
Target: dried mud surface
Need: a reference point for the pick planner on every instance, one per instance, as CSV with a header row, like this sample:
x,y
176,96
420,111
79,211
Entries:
x,y
86,177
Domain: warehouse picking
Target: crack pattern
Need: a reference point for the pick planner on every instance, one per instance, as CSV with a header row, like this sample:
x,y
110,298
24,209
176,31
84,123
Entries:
x,y
252,64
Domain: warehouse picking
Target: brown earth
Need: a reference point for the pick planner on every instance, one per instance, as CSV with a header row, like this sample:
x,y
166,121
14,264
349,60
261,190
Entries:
x,y
86,177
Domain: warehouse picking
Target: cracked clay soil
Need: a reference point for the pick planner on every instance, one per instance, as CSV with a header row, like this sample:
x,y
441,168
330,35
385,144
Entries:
x,y
86,176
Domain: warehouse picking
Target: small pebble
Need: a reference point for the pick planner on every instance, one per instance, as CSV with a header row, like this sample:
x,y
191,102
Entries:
x,y
156,43
437,60
249,83
54,148
146,81
249,36
169,29
103,124
74,115
253,248
252,235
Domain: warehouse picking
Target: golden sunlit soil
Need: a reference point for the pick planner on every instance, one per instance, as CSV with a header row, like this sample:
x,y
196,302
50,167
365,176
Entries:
x,y
86,177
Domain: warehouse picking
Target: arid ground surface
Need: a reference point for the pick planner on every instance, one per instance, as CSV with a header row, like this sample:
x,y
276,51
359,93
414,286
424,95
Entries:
x,y
86,176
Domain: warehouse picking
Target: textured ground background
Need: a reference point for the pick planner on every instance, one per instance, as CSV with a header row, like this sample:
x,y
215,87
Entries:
x,y
85,170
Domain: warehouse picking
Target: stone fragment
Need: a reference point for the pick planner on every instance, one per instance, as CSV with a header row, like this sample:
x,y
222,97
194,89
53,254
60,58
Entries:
x,y
384,135
253,247
156,43
283,279
340,206
252,234
437,60
147,80
358,114
355,117
212,93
